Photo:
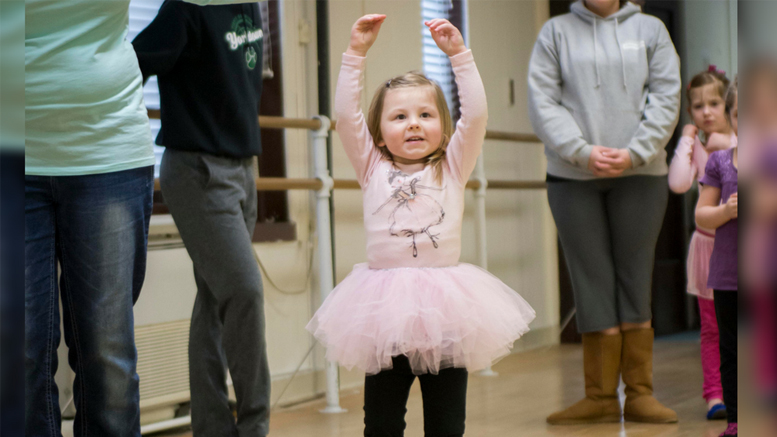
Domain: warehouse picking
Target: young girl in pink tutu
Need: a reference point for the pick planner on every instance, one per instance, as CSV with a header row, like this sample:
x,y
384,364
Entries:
x,y
413,309
709,132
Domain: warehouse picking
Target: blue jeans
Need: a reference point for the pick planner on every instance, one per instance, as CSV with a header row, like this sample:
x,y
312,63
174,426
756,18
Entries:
x,y
96,228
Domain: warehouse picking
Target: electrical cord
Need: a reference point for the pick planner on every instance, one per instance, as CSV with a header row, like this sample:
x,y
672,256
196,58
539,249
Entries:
x,y
292,376
179,245
281,290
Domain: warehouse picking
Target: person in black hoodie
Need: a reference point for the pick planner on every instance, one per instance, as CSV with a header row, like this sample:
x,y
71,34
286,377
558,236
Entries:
x,y
208,61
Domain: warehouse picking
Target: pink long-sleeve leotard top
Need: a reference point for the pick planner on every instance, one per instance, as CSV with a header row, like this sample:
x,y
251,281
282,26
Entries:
x,y
410,219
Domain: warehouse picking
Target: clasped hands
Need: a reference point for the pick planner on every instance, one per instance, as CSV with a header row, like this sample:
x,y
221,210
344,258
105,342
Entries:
x,y
608,163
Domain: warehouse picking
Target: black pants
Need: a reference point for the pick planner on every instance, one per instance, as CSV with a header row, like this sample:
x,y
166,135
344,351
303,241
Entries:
x,y
444,397
213,201
726,312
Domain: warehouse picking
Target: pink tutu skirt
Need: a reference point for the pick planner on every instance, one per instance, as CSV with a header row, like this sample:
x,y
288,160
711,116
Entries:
x,y
457,316
698,268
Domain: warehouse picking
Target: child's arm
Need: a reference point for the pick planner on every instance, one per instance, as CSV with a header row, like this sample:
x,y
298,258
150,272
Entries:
x,y
351,125
710,213
682,171
467,141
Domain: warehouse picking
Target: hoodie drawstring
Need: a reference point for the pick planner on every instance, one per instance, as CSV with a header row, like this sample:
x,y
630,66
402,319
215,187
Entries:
x,y
623,61
596,57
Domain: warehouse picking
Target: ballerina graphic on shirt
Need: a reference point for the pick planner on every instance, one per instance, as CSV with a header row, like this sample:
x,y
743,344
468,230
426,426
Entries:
x,y
414,212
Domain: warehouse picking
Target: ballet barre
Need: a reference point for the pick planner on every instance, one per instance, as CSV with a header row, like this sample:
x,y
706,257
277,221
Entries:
x,y
323,185
272,122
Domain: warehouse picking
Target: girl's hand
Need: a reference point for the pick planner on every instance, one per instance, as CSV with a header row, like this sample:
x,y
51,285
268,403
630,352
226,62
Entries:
x,y
731,207
690,130
447,36
605,162
364,33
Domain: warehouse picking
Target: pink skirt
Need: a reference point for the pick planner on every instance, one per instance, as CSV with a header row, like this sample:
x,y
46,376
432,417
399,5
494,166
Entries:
x,y
698,268
457,316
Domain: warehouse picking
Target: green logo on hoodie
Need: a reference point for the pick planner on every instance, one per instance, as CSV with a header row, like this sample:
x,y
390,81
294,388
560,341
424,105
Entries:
x,y
244,34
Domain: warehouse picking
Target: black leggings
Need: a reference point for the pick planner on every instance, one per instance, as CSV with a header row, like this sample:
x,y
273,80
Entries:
x,y
444,397
610,259
726,306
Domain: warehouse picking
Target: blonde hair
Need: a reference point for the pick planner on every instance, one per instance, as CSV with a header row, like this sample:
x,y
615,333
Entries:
x,y
412,79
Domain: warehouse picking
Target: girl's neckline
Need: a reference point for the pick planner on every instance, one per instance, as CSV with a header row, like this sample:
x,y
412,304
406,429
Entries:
x,y
400,160
405,172
734,157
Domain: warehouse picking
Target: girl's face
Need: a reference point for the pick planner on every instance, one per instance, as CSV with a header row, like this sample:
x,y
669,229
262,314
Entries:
x,y
708,109
410,123
734,115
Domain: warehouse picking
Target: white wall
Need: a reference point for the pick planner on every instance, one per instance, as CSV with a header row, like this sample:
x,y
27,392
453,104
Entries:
x,y
521,234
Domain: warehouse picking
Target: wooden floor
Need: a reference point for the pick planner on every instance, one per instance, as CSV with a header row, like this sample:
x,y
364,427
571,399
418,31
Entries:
x,y
530,385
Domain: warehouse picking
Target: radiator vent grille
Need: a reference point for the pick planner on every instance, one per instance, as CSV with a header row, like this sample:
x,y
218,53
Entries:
x,y
163,358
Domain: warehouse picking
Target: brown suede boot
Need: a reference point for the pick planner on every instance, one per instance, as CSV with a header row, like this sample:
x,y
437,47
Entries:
x,y
601,364
637,368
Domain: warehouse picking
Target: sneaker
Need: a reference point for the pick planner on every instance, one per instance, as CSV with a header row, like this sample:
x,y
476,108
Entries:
x,y
717,412
731,431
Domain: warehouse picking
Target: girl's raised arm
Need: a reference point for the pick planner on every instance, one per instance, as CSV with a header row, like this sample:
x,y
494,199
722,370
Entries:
x,y
467,141
351,125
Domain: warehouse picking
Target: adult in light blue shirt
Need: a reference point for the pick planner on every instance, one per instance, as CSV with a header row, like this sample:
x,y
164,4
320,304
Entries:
x,y
88,196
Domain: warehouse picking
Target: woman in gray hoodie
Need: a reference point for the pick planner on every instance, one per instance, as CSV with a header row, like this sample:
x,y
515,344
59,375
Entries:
x,y
604,98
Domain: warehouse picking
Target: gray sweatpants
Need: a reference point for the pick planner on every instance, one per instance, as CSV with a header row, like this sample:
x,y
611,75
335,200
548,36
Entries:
x,y
608,230
213,203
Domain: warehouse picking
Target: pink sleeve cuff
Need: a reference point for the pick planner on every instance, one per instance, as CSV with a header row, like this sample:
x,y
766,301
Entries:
x,y
462,58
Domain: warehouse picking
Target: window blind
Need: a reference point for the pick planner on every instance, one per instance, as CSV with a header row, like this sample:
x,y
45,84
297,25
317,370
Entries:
x,y
437,66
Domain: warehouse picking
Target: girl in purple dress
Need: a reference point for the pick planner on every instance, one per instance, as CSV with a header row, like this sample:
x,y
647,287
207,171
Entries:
x,y
717,209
